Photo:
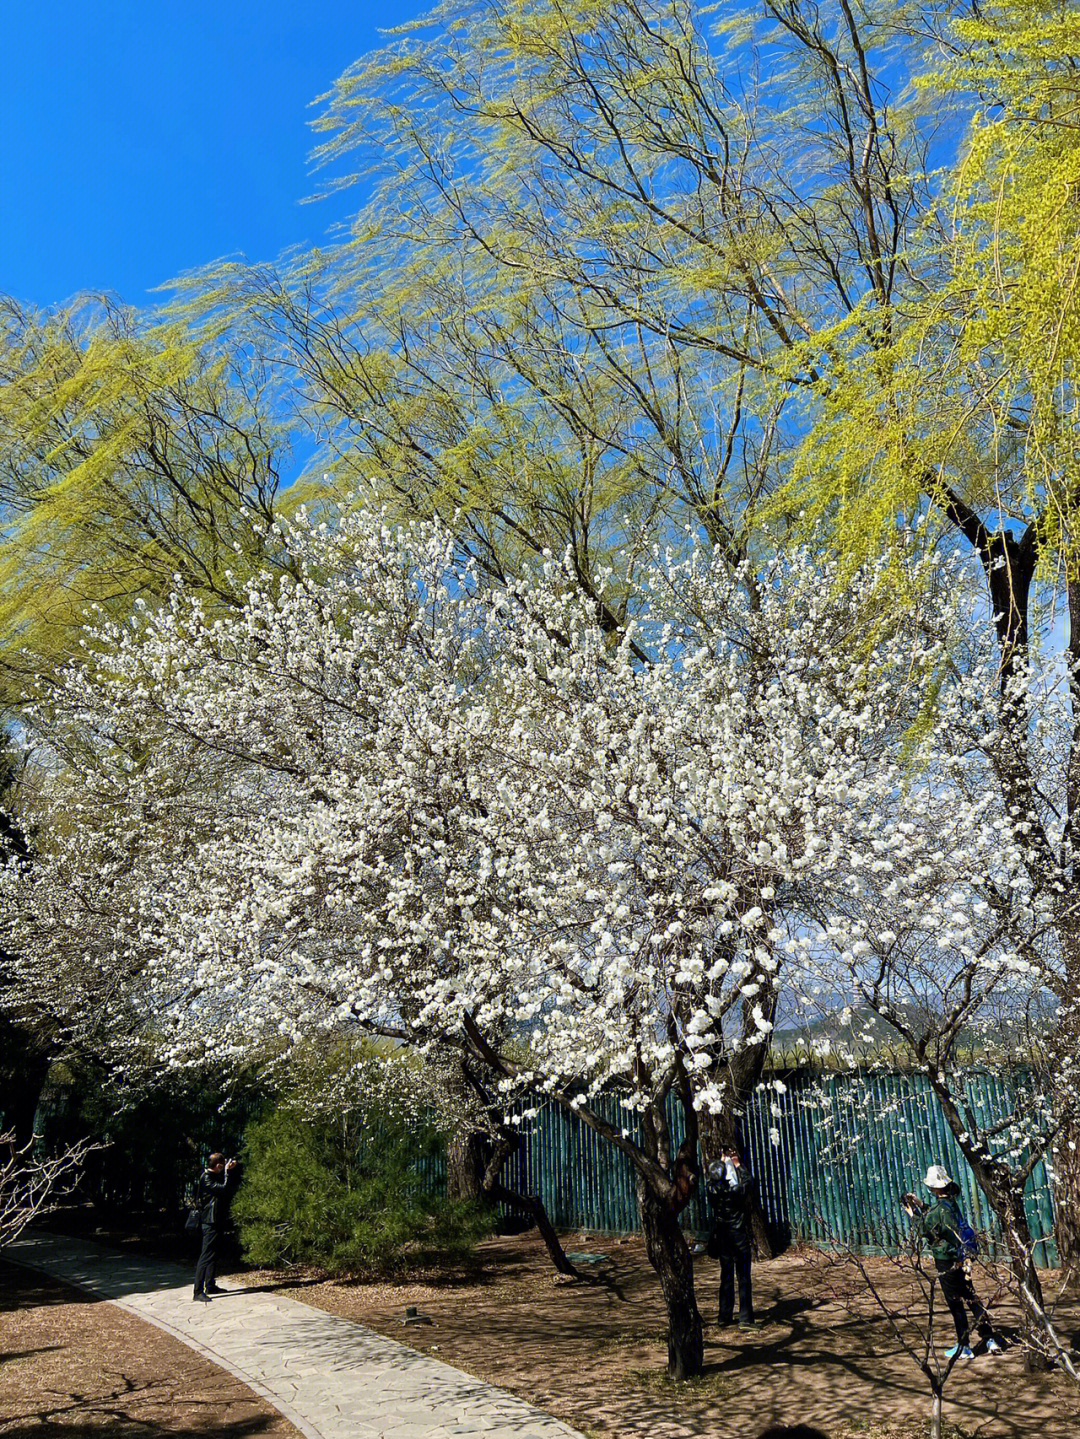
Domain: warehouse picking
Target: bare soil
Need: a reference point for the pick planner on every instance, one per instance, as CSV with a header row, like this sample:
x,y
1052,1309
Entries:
x,y
73,1366
595,1355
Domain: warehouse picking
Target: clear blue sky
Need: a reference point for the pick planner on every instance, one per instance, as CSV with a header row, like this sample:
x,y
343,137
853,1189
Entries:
x,y
139,139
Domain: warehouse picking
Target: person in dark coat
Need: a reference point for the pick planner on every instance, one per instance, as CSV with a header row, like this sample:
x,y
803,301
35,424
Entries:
x,y
730,1187
214,1193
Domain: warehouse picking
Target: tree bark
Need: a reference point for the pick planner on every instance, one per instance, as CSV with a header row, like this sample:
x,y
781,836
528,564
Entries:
x,y
670,1257
534,1206
466,1160
1026,1277
493,1190
935,1414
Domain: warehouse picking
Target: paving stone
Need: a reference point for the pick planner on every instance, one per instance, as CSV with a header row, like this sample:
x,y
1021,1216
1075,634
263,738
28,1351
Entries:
x,y
332,1378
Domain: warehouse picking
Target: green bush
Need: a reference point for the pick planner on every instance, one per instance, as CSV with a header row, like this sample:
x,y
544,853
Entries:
x,y
318,1192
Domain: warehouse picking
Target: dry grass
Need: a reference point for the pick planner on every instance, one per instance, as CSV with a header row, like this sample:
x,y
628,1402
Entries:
x,y
75,1368
594,1355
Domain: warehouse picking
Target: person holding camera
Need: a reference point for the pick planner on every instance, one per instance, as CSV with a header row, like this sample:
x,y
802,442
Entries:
x,y
730,1187
214,1193
953,1243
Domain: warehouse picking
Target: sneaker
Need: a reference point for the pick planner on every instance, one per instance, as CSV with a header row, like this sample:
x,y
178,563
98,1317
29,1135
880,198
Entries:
x,y
993,1347
959,1352
751,1323
202,1299
216,1289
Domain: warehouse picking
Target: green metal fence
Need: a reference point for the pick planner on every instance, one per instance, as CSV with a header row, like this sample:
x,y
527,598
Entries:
x,y
832,1157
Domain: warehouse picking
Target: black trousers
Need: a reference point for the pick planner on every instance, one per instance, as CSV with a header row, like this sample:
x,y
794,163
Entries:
x,y
957,1292
206,1269
735,1263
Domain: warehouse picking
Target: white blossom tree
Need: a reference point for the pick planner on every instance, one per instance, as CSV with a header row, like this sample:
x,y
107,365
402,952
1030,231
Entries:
x,y
476,821
951,931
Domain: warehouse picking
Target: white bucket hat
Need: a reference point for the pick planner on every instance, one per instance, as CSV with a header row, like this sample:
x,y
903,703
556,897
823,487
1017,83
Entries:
x,y
937,1177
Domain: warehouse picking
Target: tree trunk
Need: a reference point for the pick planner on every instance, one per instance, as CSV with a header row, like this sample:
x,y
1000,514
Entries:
x,y
935,1413
1029,1285
534,1206
493,1190
466,1159
669,1255
1067,1195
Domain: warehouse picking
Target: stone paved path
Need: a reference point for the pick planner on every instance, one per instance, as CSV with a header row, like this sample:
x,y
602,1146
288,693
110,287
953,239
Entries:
x,y
332,1378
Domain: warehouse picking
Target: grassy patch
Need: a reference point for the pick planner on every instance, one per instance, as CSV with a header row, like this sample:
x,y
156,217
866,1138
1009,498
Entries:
x,y
893,1429
632,1339
659,1381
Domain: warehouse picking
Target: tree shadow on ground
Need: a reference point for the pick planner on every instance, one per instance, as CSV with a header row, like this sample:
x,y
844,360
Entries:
x,y
271,1285
118,1425
792,1431
25,1288
436,1272
121,1411
8,1354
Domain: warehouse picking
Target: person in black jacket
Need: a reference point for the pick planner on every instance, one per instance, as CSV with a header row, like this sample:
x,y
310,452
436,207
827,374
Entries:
x,y
213,1195
730,1187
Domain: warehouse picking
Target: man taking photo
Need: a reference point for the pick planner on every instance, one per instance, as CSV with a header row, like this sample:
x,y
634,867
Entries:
x,y
730,1187
214,1193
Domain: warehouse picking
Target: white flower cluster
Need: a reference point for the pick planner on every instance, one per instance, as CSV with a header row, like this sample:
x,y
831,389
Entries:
x,y
383,792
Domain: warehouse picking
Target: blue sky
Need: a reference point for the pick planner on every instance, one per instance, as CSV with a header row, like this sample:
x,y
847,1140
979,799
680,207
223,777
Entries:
x,y
138,140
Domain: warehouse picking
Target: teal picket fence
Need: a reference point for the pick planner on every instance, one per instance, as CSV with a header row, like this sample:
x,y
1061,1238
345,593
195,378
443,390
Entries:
x,y
832,1156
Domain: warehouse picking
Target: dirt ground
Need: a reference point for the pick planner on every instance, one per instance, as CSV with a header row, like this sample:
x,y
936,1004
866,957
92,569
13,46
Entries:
x,y
595,1356
72,1366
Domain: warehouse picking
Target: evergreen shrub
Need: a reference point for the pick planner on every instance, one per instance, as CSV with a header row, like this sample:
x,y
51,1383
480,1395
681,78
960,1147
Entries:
x,y
319,1191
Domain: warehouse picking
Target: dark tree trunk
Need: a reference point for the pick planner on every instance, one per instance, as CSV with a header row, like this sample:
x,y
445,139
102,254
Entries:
x,y
533,1206
466,1160
475,1160
669,1255
26,1069
494,1191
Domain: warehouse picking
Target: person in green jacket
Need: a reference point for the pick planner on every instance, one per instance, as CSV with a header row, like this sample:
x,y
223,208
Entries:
x,y
940,1223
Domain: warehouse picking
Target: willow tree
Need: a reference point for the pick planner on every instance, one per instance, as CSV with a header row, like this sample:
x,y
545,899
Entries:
x,y
131,455
969,407
793,321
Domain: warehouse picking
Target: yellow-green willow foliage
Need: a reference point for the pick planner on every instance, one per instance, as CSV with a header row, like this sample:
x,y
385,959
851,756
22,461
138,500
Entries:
x,y
969,395
1011,306
129,454
612,246
790,267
